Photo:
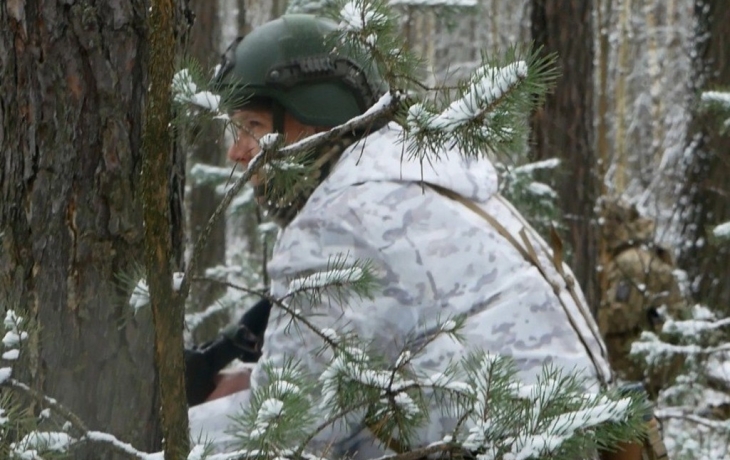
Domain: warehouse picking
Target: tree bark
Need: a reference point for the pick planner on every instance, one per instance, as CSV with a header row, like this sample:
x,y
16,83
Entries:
x,y
73,79
166,303
707,188
563,127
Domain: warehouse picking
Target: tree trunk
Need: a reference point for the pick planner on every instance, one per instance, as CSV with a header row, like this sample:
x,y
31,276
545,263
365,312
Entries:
x,y
707,187
563,127
73,79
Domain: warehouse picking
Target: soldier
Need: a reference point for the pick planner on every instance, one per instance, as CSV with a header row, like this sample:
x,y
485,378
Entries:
x,y
442,240
641,292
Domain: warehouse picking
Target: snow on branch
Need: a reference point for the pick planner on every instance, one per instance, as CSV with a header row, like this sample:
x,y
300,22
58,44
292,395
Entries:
x,y
186,91
324,279
140,295
530,168
357,15
693,327
719,101
488,87
722,231
386,106
718,97
436,3
655,351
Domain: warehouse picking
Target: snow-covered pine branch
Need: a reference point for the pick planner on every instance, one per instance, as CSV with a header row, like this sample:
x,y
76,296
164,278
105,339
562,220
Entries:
x,y
718,101
654,350
185,90
501,416
488,115
722,232
340,280
489,85
140,296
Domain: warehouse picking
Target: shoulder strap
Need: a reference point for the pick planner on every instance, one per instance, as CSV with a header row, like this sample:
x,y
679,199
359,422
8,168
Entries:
x,y
527,251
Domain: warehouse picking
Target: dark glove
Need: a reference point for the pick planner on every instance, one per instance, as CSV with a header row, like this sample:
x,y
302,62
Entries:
x,y
242,340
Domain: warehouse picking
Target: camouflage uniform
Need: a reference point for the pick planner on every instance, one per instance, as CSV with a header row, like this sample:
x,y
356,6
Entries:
x,y
434,258
641,291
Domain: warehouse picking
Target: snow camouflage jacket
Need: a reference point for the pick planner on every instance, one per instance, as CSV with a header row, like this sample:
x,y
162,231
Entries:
x,y
435,258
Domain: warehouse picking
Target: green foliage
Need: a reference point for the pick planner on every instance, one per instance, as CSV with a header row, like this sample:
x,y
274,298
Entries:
x,y
694,403
488,114
494,413
718,102
535,200
26,431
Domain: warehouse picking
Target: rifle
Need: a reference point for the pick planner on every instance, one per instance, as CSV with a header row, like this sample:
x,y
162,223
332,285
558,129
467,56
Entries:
x,y
242,340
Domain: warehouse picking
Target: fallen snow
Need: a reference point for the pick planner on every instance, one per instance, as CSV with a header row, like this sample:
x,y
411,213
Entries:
x,y
269,411
540,189
197,453
448,326
5,373
407,404
177,279
11,320
12,338
354,18
53,441
186,91
432,3
269,140
719,97
11,355
488,86
537,165
722,230
140,295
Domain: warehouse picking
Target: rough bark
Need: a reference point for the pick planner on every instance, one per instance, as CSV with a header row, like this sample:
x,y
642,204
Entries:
x,y
73,78
563,127
707,187
167,304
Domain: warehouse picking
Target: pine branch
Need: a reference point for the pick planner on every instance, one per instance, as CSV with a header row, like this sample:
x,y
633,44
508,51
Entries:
x,y
387,105
83,432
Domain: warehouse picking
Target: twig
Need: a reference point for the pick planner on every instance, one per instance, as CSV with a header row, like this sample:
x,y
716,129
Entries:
x,y
85,435
387,105
689,416
279,304
421,452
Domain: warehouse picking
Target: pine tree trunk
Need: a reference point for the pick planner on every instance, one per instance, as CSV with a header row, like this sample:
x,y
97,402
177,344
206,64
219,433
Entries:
x,y
73,79
563,127
161,226
707,187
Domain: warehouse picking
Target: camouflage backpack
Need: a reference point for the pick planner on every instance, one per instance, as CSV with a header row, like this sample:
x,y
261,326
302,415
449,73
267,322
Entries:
x,y
641,291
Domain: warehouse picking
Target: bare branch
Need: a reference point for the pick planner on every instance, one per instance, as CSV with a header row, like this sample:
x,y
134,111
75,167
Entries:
x,y
387,105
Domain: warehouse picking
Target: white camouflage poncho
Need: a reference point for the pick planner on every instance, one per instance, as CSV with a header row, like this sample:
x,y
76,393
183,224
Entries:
x,y
435,258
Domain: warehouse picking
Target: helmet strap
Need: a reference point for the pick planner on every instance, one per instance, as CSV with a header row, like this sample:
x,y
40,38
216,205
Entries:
x,y
277,111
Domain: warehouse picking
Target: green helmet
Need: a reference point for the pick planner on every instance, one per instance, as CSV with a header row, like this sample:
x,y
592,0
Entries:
x,y
292,61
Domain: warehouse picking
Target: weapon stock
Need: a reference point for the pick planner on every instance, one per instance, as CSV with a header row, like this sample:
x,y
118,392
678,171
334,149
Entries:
x,y
242,340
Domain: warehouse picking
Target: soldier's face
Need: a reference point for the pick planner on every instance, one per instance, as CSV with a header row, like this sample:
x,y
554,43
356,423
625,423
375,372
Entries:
x,y
252,124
